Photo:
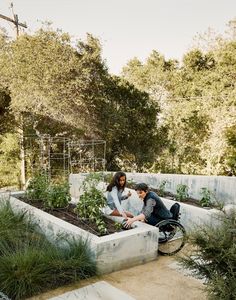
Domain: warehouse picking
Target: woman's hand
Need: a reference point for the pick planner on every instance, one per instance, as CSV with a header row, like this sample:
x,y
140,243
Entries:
x,y
129,194
124,215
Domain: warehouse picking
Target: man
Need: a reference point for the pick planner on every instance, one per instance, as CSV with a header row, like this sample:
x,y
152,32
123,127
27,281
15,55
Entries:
x,y
153,210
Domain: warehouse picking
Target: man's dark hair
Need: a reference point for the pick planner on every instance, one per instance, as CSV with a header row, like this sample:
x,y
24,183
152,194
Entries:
x,y
141,187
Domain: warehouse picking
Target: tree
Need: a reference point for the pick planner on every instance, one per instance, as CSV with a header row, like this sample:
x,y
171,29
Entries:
x,y
60,89
127,118
197,105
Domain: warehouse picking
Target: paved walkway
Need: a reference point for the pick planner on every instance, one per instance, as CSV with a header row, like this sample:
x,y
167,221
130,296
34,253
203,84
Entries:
x,y
157,280
96,291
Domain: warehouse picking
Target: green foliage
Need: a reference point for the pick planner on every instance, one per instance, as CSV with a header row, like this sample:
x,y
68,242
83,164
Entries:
x,y
197,107
92,201
6,119
9,160
53,195
214,257
57,195
108,177
125,116
31,264
41,68
161,188
118,226
131,183
181,192
185,111
15,229
206,197
37,187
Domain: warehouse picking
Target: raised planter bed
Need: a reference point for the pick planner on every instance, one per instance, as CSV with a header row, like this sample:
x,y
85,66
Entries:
x,y
112,252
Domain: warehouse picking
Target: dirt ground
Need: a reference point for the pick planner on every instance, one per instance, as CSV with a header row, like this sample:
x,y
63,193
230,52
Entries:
x,y
156,280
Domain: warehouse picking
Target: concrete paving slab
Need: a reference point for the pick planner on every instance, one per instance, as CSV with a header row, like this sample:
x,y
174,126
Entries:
x,y
97,291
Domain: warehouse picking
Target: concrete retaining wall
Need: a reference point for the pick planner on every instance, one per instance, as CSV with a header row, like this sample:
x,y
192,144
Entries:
x,y
223,187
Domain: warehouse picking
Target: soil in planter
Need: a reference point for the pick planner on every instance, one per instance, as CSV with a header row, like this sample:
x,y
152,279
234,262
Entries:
x,y
188,200
67,214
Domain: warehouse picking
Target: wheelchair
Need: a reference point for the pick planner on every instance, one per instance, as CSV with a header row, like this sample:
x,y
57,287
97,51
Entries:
x,y
172,235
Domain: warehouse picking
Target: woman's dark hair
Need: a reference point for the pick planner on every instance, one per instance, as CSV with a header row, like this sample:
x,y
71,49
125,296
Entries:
x,y
115,181
141,187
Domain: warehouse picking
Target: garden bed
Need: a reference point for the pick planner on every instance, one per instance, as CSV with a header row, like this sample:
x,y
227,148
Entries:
x,y
168,195
188,200
68,214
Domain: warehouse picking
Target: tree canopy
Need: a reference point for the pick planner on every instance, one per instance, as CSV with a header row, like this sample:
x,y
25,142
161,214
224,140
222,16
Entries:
x,y
197,102
65,89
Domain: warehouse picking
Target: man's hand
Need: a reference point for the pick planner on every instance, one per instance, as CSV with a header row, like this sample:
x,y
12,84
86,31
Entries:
x,y
128,222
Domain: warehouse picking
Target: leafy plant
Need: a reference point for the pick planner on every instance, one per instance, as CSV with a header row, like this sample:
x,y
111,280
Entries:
x,y
131,183
181,192
92,201
161,188
214,256
206,197
37,187
57,195
15,229
118,226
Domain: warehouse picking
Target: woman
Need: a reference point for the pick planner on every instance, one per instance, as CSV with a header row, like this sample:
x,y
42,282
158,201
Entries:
x,y
114,195
153,210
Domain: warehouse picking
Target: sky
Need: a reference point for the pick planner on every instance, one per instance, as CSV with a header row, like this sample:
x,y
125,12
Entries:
x,y
126,28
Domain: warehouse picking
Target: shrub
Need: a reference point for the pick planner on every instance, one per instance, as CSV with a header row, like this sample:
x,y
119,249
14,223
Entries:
x,y
214,257
14,228
108,177
31,264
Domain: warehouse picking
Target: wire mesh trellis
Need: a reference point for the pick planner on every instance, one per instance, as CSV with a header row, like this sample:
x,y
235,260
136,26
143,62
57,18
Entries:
x,y
87,156
60,156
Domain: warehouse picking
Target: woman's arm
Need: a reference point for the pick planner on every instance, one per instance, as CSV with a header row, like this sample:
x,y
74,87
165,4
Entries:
x,y
140,217
125,197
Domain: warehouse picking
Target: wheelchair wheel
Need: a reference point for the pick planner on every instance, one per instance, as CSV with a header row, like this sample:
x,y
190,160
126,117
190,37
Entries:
x,y
172,236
